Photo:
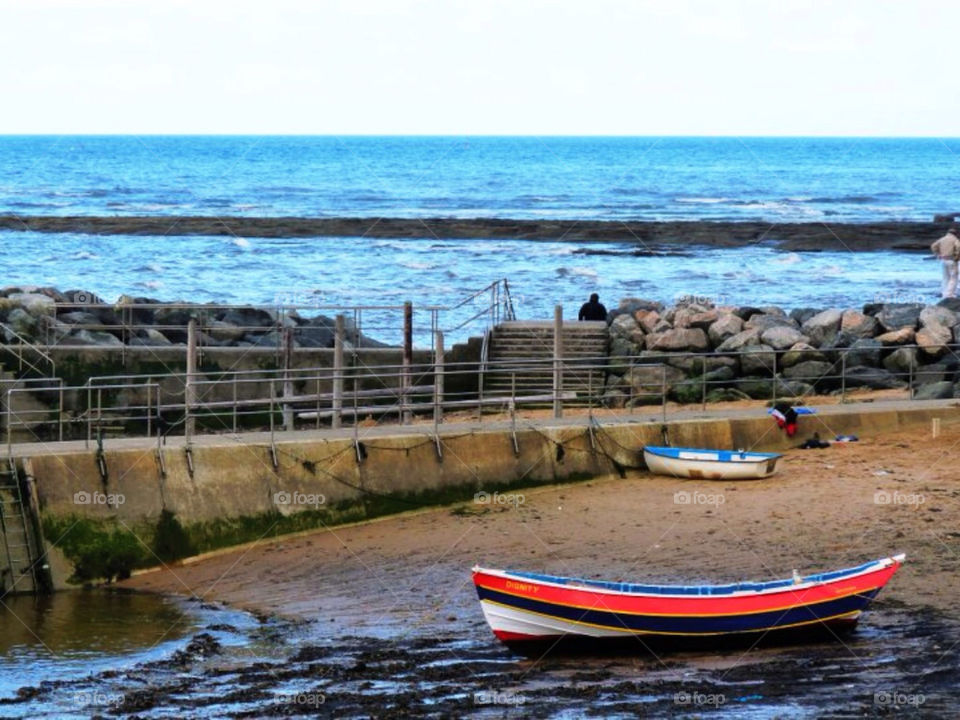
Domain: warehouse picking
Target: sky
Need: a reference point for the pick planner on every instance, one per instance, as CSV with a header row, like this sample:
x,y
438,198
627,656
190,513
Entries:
x,y
526,67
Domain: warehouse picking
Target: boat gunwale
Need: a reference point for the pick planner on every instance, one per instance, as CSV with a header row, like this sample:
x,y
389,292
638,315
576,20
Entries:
x,y
774,586
760,456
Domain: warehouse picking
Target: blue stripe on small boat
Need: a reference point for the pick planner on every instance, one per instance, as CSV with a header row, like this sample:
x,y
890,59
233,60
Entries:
x,y
622,587
721,455
686,624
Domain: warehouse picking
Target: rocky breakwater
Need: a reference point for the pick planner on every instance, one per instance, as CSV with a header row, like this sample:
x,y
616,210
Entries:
x,y
697,351
47,316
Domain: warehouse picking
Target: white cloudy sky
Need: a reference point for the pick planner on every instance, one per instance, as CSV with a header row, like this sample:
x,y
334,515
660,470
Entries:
x,y
634,67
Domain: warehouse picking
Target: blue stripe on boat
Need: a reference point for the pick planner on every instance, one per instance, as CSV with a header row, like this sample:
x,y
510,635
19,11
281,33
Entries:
x,y
686,624
721,455
622,587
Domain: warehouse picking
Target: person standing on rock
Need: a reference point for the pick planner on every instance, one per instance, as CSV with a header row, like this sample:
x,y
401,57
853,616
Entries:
x,y
593,310
947,249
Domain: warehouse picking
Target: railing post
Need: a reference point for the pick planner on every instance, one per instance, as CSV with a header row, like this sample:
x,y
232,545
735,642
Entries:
x,y
843,376
557,361
910,378
338,338
288,422
189,391
150,407
438,378
406,416
774,377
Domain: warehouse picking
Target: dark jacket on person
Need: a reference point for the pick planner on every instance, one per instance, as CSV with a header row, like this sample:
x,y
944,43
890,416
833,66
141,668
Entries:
x,y
593,311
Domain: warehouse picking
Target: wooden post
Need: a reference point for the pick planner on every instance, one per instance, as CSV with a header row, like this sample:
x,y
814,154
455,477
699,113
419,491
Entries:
x,y
338,338
438,378
287,379
557,361
190,390
405,415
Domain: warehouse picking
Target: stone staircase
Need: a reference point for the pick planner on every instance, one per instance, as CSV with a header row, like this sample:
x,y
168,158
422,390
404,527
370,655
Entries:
x,y
522,353
18,544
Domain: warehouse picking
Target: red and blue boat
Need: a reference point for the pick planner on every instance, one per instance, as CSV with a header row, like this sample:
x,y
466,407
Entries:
x,y
527,610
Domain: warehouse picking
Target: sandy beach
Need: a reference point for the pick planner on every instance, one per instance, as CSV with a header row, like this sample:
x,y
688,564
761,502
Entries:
x,y
825,509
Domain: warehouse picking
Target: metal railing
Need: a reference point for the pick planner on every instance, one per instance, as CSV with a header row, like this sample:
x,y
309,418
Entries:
x,y
17,350
318,397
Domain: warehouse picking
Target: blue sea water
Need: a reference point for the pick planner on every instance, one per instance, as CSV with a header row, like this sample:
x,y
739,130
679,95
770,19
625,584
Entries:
x,y
776,179
771,179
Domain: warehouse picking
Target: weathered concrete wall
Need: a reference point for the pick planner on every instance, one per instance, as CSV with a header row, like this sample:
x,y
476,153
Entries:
x,y
235,493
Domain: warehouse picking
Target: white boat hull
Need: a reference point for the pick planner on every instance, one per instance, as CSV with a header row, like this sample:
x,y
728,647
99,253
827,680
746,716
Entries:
x,y
748,469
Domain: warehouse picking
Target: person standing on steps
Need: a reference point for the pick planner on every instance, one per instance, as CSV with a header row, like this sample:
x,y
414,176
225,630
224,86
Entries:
x,y
593,310
947,249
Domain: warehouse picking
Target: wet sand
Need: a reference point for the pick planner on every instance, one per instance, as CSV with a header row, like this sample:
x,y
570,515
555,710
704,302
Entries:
x,y
825,509
647,236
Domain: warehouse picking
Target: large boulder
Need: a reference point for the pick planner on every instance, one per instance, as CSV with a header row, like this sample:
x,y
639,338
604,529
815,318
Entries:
x,y
782,337
765,321
894,316
631,304
650,379
945,369
934,391
694,317
736,343
873,378
858,324
248,317
933,340
323,337
679,340
151,337
758,360
725,326
811,370
901,361
647,319
938,315
92,337
865,351
822,327
626,327
35,303
903,336
22,324
799,353
801,315
746,312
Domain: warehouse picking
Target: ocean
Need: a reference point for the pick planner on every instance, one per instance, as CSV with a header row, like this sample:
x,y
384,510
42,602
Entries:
x,y
769,179
600,178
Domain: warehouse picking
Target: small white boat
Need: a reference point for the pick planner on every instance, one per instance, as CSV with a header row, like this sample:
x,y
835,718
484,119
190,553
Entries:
x,y
709,464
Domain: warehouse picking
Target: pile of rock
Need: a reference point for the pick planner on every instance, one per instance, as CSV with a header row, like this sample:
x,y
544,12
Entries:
x,y
47,316
695,349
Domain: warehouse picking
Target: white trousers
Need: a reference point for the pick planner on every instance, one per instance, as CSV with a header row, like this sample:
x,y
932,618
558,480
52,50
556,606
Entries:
x,y
948,288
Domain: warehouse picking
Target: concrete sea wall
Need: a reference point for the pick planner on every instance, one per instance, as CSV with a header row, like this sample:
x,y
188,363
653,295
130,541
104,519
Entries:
x,y
107,515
